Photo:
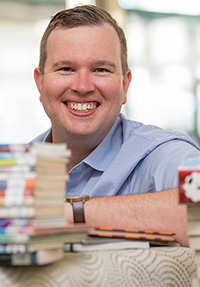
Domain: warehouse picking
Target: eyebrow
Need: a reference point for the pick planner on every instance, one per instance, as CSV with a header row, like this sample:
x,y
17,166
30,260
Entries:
x,y
105,63
62,63
95,63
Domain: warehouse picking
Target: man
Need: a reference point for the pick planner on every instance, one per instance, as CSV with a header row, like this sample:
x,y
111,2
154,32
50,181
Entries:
x,y
83,78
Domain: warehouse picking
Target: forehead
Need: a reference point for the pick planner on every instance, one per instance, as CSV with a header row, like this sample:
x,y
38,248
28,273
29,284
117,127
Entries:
x,y
103,36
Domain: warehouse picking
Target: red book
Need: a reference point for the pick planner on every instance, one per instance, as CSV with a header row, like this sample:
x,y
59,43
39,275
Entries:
x,y
189,186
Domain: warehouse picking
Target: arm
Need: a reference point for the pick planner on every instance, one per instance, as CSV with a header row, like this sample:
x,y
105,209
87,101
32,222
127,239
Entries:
x,y
158,211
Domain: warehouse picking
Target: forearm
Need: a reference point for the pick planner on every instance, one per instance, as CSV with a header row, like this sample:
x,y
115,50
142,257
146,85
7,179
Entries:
x,y
154,211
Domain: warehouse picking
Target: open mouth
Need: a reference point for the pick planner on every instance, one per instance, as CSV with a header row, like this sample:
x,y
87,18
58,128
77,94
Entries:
x,y
82,107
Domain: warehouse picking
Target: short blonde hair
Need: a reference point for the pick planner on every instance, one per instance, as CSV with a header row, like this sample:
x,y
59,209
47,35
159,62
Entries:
x,y
84,15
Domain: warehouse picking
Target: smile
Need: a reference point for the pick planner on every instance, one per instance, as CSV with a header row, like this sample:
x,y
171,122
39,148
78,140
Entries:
x,y
82,107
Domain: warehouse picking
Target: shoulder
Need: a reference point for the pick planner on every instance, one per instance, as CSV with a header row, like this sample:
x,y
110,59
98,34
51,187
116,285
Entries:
x,y
151,136
46,136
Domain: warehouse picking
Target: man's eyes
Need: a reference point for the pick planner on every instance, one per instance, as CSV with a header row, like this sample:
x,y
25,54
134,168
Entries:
x,y
96,70
66,69
101,70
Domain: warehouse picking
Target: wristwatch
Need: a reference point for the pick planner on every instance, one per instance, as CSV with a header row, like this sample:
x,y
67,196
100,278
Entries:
x,y
77,203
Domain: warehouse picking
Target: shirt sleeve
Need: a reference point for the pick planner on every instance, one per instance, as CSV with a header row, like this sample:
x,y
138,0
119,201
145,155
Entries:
x,y
158,171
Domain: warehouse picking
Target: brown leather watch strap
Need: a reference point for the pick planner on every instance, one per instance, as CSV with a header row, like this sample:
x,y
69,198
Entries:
x,y
78,211
78,207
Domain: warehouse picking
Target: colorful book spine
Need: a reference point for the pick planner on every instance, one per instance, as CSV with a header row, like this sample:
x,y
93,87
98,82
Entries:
x,y
14,238
13,248
24,183
14,147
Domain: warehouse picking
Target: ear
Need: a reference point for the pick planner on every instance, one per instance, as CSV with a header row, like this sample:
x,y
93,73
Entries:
x,y
38,79
126,82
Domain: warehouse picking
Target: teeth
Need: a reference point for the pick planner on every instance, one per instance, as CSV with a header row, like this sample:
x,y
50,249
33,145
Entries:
x,y
81,107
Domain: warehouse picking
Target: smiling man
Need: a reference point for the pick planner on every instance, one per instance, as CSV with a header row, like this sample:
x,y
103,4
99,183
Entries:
x,y
82,88
127,169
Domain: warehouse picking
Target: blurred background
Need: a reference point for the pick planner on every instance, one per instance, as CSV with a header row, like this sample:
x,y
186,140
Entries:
x,y
164,55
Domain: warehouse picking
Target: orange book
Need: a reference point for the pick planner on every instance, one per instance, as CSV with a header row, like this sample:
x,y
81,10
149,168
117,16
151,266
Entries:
x,y
132,234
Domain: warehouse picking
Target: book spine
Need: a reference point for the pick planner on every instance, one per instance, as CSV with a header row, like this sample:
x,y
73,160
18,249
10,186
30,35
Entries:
x,y
12,230
135,231
18,259
26,159
15,147
16,222
13,238
23,201
14,190
17,212
15,182
27,192
5,259
13,248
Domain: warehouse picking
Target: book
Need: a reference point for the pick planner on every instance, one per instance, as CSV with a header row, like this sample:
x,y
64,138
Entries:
x,y
189,181
51,185
42,238
132,234
15,182
32,190
197,258
20,159
101,243
29,247
14,148
49,149
38,231
88,245
193,227
58,221
24,238
9,176
51,164
74,229
31,211
39,257
193,212
194,242
27,200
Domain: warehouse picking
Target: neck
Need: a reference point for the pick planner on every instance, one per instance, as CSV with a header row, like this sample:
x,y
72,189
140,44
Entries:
x,y
76,157
80,148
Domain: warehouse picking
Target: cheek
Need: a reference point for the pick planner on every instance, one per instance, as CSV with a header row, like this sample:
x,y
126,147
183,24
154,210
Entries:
x,y
51,90
116,92
112,90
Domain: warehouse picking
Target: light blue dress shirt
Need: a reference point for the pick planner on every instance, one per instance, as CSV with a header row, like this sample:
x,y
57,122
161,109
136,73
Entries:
x,y
133,158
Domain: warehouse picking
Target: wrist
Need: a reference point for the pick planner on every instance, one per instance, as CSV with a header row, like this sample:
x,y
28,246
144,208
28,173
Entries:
x,y
77,214
68,213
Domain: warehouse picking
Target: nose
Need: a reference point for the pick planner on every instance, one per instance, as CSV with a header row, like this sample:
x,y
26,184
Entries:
x,y
82,82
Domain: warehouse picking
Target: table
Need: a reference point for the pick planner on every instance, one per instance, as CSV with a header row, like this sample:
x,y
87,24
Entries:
x,y
156,267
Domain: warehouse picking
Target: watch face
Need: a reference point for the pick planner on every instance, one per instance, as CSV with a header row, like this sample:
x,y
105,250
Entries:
x,y
77,198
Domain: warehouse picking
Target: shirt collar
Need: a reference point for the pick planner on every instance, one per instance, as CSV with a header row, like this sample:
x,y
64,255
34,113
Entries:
x,y
48,136
104,153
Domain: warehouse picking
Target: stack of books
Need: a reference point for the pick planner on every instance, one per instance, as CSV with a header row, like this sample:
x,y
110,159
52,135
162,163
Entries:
x,y
32,190
101,239
189,194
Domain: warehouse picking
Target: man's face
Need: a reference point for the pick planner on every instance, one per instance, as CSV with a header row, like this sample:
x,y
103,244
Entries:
x,y
82,89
